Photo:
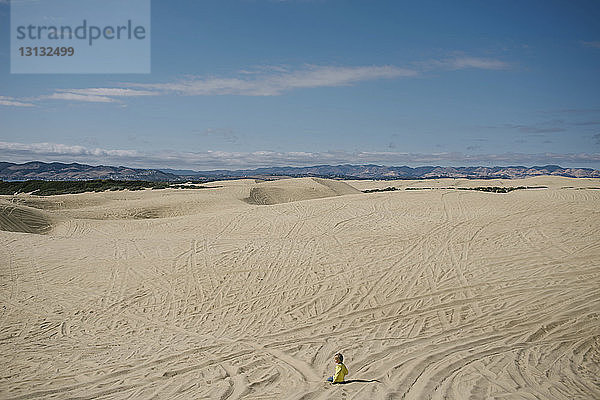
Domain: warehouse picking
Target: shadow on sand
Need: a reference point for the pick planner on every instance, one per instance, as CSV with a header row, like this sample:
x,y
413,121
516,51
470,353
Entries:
x,y
357,381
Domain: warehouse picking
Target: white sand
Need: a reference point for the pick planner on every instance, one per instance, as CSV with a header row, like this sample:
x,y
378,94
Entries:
x,y
192,294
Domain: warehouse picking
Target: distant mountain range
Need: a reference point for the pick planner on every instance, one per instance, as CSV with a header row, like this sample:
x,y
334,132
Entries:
x,y
78,172
62,172
383,172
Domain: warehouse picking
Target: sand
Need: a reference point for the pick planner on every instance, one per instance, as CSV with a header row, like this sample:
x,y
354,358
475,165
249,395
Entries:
x,y
194,294
18,218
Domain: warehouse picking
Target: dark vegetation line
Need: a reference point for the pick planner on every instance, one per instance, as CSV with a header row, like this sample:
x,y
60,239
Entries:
x,y
49,188
387,189
493,189
498,189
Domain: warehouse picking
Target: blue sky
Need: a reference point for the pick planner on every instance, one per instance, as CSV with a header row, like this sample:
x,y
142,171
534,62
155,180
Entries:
x,y
250,83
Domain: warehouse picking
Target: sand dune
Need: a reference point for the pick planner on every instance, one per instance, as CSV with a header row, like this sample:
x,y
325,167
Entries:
x,y
429,294
17,218
552,182
289,190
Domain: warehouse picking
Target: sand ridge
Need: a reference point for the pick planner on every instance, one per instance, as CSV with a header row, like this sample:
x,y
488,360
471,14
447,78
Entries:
x,y
289,190
18,218
435,294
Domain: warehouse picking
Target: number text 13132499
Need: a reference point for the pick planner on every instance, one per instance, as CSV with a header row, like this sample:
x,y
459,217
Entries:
x,y
46,51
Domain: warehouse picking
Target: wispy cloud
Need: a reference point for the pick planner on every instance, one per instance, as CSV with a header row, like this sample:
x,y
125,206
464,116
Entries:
x,y
593,44
77,97
572,111
271,80
111,92
461,62
586,123
228,135
551,127
13,102
56,149
474,63
19,152
95,95
276,81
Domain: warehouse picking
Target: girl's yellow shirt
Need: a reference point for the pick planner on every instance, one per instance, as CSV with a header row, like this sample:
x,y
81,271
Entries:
x,y
340,372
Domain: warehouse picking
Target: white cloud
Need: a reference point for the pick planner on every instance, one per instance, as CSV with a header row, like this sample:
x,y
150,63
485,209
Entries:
x,y
474,62
278,80
595,45
12,102
95,95
66,95
461,62
261,81
21,152
111,92
264,80
53,149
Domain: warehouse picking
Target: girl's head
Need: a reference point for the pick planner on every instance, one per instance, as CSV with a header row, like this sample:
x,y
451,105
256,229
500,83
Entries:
x,y
339,358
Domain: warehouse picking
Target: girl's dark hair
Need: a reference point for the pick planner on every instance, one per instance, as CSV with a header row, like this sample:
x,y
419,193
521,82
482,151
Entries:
x,y
340,357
